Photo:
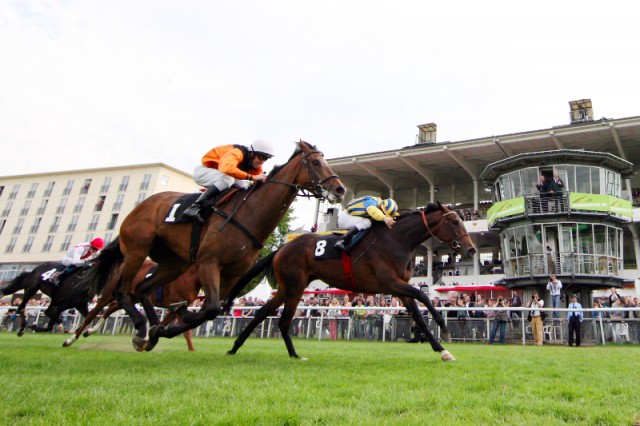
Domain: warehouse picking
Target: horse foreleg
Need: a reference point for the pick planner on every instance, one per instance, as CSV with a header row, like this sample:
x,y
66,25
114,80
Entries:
x,y
87,321
413,309
269,308
437,316
141,338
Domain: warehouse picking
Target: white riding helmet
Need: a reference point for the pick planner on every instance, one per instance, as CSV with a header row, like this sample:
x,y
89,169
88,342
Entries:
x,y
262,147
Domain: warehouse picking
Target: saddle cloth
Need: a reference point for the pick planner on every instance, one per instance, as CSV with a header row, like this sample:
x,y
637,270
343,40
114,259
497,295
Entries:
x,y
325,246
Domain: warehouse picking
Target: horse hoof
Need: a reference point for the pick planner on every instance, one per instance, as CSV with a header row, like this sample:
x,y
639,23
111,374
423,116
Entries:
x,y
231,352
20,333
139,344
86,334
153,337
446,336
447,357
67,343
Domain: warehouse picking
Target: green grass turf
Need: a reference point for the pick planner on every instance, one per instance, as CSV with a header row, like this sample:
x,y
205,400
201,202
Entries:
x,y
101,380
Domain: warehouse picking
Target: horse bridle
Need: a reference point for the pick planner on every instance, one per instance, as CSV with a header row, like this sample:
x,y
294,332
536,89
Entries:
x,y
454,244
314,188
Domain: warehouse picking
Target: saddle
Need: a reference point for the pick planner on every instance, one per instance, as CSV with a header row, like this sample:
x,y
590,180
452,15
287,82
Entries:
x,y
175,214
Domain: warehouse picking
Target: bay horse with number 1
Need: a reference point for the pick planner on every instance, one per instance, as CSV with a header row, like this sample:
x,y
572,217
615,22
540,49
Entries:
x,y
381,263
226,250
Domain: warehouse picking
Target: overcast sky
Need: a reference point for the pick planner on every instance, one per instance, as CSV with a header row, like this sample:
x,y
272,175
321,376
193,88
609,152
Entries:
x,y
92,84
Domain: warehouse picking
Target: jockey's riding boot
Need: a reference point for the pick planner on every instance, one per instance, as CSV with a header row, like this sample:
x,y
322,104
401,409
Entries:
x,y
344,243
194,209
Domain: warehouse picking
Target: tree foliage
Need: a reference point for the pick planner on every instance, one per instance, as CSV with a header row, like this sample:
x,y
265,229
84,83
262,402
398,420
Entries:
x,y
275,240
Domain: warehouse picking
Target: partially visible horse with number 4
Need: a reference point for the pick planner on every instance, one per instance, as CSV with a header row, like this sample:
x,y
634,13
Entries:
x,y
381,264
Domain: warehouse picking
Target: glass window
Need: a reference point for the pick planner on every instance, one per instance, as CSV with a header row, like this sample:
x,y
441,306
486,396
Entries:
x,y
27,245
3,222
522,249
112,222
106,184
36,225
585,238
85,186
94,222
49,190
25,208
7,209
43,207
118,204
61,206
146,180
583,179
66,243
68,188
46,247
100,203
79,205
141,197
14,192
530,177
517,184
600,233
18,228
11,245
596,174
72,224
54,224
124,184
505,187
32,191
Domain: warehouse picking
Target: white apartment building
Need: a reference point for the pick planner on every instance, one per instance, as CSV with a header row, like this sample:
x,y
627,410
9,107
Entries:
x,y
43,214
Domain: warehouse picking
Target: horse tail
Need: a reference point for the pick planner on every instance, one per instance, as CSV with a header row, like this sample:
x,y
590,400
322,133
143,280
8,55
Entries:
x,y
106,262
256,269
18,283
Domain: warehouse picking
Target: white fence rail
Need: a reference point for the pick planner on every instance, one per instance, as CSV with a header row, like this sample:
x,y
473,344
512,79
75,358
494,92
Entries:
x,y
376,323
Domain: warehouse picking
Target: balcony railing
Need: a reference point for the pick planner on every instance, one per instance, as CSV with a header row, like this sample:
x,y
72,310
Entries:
x,y
563,264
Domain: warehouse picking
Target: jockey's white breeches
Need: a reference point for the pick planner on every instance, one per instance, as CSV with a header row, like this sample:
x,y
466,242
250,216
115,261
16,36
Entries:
x,y
207,177
346,221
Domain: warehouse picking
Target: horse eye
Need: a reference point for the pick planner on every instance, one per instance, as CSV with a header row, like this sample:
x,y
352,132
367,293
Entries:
x,y
316,162
455,222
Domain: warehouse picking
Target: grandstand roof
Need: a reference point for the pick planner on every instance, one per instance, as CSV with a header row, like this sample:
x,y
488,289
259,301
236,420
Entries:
x,y
462,162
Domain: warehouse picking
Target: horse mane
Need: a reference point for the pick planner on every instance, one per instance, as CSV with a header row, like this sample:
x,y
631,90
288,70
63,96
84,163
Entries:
x,y
429,208
298,150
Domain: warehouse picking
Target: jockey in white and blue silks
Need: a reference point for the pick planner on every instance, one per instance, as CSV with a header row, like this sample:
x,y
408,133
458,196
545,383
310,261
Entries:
x,y
359,213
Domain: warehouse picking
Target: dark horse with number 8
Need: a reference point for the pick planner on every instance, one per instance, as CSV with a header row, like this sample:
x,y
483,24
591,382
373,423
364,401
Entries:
x,y
381,264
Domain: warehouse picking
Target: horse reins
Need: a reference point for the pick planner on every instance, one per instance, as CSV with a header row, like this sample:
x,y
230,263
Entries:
x,y
454,244
315,186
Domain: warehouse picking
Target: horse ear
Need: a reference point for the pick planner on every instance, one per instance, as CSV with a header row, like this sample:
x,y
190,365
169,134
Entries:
x,y
440,205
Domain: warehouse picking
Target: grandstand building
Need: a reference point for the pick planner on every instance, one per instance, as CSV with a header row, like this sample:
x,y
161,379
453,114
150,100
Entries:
x,y
595,157
43,214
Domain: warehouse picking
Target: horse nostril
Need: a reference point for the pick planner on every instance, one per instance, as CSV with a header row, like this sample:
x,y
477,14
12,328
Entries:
x,y
340,190
472,251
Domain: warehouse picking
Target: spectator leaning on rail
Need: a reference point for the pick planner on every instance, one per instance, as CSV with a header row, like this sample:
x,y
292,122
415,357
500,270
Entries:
x,y
358,214
228,165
